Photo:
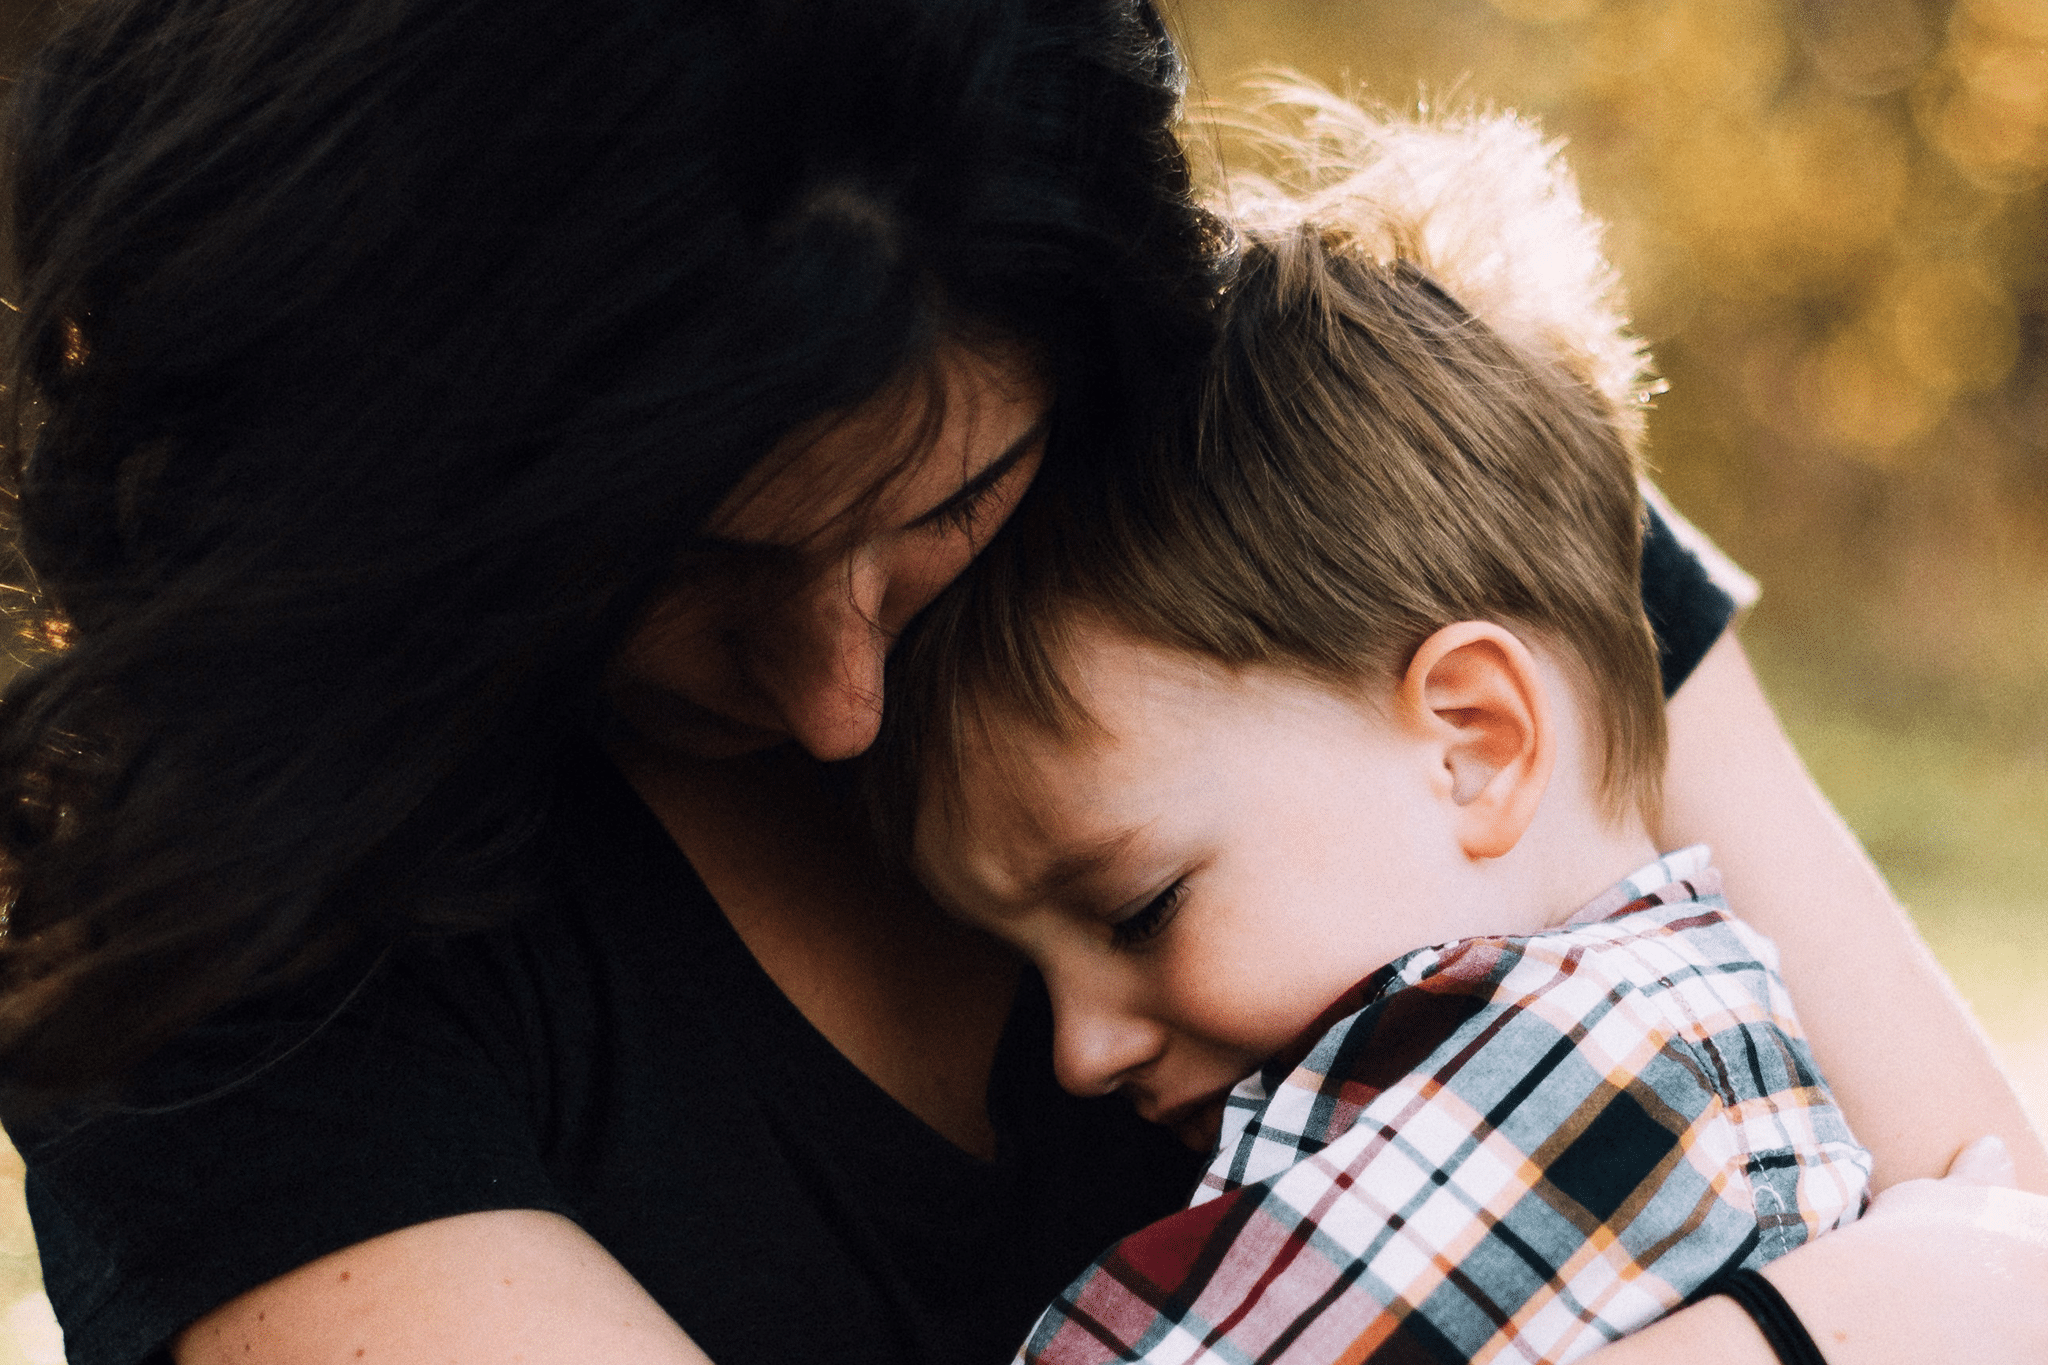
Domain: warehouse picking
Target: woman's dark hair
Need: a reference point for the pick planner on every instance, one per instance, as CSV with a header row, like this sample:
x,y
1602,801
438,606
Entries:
x,y
386,354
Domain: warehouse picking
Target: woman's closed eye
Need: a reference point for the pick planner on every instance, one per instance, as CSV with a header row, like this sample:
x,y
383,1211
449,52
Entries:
x,y
1145,922
966,509
966,514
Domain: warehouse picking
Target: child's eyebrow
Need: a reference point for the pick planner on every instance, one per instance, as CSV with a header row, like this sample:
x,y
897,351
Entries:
x,y
991,474
1067,869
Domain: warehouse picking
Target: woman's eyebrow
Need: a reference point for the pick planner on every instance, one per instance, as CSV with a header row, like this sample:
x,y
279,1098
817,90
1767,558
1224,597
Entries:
x,y
991,474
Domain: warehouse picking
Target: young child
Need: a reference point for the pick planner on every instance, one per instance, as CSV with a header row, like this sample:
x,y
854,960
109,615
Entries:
x,y
1363,666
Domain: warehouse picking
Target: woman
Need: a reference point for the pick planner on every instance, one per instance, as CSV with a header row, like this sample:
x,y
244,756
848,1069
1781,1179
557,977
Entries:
x,y
476,438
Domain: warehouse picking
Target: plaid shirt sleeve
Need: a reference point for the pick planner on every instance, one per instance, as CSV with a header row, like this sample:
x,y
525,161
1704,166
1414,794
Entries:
x,y
1511,1149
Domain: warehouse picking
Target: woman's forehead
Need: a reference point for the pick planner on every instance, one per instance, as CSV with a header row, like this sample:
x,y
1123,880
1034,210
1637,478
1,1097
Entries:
x,y
885,462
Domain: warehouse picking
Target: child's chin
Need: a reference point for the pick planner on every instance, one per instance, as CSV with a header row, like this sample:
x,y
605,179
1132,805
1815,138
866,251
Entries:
x,y
1197,1129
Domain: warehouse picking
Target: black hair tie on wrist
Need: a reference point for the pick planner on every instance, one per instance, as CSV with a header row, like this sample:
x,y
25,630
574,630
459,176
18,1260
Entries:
x,y
1787,1336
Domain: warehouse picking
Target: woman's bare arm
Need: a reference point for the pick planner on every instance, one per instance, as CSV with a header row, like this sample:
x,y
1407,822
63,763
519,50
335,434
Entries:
x,y
480,1289
1910,1069
1937,1270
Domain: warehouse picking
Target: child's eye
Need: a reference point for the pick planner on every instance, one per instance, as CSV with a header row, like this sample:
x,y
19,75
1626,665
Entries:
x,y
1148,919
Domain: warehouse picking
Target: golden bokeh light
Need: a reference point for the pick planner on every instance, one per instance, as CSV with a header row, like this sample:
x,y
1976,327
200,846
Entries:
x,y
1872,47
1859,396
1952,326
1545,11
1986,105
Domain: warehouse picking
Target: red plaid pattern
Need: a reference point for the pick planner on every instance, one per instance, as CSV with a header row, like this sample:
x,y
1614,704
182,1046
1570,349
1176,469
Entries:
x,y
1500,1149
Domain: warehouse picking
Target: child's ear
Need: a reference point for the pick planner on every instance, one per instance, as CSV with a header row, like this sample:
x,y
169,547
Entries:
x,y
1475,689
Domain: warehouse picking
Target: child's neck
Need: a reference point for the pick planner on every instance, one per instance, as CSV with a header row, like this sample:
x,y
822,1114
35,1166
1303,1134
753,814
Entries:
x,y
1572,853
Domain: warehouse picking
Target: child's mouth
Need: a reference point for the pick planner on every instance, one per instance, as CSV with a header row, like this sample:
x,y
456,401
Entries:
x,y
1197,1122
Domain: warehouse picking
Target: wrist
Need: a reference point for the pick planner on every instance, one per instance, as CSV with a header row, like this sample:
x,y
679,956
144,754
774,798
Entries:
x,y
1868,1294
1815,1296
1775,1318
1725,1333
1711,1332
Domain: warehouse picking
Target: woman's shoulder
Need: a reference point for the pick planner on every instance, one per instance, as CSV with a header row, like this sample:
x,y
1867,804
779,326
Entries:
x,y
1692,592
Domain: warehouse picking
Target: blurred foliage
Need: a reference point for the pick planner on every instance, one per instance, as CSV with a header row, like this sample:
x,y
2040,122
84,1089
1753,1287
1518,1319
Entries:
x,y
1830,217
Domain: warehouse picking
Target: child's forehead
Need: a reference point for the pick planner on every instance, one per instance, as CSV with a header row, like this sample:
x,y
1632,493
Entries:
x,y
1152,722
1138,690
1131,695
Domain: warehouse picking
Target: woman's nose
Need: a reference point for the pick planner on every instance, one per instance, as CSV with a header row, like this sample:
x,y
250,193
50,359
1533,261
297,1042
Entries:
x,y
825,678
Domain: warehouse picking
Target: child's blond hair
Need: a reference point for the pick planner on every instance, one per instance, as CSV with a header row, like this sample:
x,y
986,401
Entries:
x,y
1423,408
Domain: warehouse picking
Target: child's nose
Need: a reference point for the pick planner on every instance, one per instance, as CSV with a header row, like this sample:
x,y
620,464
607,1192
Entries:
x,y
1097,1048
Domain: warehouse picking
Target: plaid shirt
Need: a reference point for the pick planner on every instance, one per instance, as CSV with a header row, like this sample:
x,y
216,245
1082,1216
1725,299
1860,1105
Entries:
x,y
1500,1149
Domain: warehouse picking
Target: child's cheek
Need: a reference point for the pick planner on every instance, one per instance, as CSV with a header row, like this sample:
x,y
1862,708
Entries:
x,y
1240,1016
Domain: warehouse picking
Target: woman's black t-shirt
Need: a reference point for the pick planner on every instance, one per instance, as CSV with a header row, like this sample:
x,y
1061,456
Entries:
x,y
622,1059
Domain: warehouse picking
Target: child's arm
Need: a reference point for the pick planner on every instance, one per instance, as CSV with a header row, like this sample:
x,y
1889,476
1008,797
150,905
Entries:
x,y
1908,1067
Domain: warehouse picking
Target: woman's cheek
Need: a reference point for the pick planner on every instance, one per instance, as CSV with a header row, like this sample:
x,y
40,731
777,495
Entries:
x,y
919,573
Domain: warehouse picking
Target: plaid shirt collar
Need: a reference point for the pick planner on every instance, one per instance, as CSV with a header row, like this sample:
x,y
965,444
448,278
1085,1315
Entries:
x,y
1684,876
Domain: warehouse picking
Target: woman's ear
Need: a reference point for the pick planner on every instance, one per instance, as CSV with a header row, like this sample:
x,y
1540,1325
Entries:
x,y
1476,691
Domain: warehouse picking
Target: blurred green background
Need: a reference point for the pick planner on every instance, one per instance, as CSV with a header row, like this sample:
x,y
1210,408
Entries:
x,y
1830,216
